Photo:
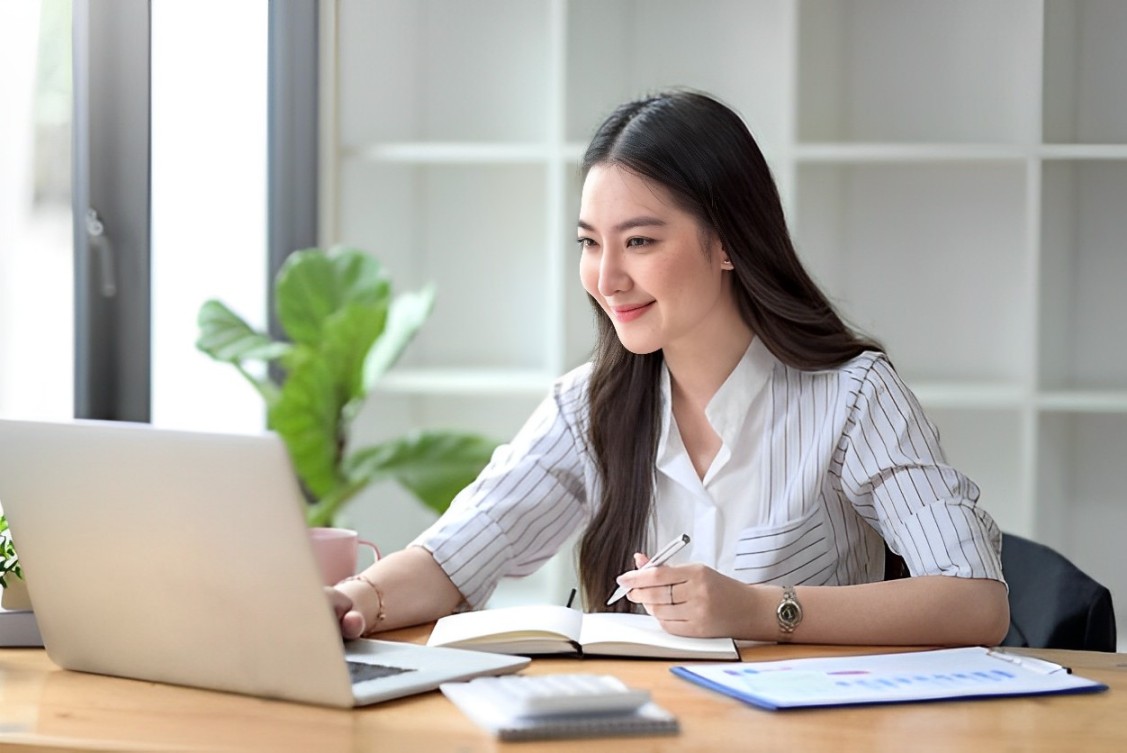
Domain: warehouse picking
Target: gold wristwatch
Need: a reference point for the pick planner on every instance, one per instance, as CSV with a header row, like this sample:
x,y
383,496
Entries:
x,y
789,614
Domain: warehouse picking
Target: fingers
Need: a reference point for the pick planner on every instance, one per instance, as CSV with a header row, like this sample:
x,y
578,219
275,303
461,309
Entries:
x,y
351,621
654,576
690,599
664,595
352,625
663,602
655,587
340,602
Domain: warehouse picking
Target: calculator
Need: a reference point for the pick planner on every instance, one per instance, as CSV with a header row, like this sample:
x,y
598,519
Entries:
x,y
555,695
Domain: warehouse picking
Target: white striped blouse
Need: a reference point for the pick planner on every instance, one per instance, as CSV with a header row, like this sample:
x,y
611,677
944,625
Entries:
x,y
816,471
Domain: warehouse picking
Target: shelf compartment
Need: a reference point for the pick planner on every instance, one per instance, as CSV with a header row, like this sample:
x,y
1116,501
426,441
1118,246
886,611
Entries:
x,y
1080,502
986,446
478,233
619,50
1083,266
442,70
918,71
969,395
1084,60
579,320
930,259
579,316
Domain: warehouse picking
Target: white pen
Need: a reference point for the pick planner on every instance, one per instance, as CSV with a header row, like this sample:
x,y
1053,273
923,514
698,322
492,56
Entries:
x,y
658,559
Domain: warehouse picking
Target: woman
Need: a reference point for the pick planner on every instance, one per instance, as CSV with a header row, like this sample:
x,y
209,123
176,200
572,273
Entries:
x,y
726,400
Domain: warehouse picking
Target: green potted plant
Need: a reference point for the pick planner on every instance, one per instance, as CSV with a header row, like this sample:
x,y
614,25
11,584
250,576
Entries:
x,y
344,330
15,594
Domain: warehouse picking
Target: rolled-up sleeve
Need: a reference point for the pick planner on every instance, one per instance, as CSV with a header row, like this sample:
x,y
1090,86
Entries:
x,y
895,474
521,508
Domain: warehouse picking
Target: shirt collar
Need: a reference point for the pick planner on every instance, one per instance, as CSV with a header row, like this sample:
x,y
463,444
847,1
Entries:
x,y
728,408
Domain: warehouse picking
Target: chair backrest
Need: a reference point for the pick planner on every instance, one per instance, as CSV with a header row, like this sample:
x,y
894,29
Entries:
x,y
1053,603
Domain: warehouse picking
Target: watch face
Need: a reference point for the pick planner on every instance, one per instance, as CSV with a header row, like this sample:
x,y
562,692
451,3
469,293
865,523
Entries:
x,y
789,613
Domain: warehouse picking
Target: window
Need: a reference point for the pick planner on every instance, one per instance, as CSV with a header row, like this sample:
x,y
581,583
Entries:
x,y
209,148
171,151
36,267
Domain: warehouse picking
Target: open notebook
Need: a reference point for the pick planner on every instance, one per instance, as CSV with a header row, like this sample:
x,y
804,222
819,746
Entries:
x,y
183,557
553,629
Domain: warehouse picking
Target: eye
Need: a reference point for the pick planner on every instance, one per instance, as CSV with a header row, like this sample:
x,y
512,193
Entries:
x,y
638,242
585,243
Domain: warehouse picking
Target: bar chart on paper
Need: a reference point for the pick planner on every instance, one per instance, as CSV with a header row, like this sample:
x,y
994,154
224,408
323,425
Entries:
x,y
944,674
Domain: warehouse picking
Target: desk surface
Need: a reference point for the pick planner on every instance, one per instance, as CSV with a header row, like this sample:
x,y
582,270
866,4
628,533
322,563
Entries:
x,y
45,708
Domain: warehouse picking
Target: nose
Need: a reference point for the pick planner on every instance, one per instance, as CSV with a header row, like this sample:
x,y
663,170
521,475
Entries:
x,y
613,278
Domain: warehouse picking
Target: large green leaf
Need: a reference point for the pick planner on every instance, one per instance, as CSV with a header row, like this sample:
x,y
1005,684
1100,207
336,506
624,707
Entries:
x,y
304,295
408,313
307,417
433,465
225,336
347,338
313,284
360,276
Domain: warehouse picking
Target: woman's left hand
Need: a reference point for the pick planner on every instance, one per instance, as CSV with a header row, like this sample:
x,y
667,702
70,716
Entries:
x,y
692,600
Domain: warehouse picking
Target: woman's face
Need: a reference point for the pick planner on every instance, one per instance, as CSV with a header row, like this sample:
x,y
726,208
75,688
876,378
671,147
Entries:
x,y
651,266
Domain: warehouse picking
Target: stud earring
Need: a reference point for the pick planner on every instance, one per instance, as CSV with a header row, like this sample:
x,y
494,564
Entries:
x,y
726,263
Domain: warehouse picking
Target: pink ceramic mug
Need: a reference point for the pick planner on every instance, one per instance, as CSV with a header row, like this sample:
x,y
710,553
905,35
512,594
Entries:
x,y
336,551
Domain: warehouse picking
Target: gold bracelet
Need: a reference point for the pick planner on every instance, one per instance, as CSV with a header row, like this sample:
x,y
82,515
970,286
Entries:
x,y
380,615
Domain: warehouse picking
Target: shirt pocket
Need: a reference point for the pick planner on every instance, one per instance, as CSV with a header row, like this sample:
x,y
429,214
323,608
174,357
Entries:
x,y
798,551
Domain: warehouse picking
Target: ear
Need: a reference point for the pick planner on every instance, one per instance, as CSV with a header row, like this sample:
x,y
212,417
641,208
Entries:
x,y
725,260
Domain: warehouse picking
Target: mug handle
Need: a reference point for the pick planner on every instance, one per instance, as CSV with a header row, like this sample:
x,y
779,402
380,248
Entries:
x,y
375,549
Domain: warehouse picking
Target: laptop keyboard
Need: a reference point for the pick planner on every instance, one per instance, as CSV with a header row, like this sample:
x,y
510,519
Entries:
x,y
361,671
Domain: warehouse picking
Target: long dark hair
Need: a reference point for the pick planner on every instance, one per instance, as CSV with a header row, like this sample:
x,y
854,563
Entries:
x,y
700,151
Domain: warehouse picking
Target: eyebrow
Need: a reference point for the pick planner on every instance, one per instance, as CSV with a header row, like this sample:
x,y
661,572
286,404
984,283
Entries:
x,y
629,224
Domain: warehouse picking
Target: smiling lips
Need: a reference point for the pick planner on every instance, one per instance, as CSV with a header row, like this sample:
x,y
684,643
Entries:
x,y
630,313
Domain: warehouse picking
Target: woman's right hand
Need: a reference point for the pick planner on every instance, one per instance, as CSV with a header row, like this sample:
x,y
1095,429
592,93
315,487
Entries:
x,y
408,583
351,619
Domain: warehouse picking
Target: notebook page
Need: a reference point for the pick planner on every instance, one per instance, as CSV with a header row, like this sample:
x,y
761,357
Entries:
x,y
609,629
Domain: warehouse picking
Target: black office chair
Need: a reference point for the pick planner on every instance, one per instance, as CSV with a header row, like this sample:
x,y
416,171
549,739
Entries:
x,y
1053,603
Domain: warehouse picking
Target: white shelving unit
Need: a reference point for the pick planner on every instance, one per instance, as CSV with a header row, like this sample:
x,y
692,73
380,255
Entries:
x,y
955,174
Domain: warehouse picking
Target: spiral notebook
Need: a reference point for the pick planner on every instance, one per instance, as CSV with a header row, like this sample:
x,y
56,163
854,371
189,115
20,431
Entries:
x,y
649,719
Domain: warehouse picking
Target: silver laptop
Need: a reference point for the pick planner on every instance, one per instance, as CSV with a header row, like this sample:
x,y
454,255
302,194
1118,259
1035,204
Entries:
x,y
183,557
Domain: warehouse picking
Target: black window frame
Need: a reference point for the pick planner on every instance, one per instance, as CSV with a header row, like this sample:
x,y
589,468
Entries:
x,y
111,183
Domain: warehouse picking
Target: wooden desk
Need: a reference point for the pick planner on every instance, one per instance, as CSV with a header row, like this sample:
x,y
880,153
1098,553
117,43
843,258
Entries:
x,y
45,708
